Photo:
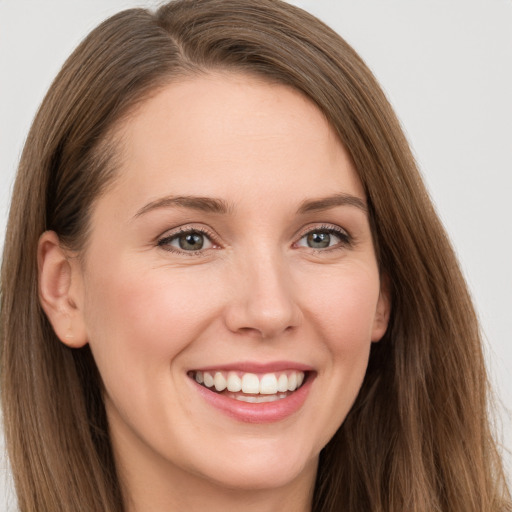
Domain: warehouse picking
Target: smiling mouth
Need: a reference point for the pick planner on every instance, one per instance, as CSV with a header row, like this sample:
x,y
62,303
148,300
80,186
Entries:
x,y
251,387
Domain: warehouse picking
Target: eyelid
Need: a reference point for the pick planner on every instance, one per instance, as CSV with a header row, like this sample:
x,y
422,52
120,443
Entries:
x,y
322,226
343,234
181,230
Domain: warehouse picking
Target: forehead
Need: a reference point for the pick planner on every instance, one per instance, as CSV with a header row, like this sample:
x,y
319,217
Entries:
x,y
230,134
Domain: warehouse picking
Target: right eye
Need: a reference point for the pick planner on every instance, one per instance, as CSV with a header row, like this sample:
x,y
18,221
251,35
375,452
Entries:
x,y
186,241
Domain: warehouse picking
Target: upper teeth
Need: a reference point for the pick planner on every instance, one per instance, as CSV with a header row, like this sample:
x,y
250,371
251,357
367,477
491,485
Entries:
x,y
266,384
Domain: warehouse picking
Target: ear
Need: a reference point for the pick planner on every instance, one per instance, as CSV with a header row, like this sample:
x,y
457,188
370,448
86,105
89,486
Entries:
x,y
383,310
60,290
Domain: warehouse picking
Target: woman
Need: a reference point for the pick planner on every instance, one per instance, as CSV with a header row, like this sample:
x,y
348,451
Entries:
x,y
243,297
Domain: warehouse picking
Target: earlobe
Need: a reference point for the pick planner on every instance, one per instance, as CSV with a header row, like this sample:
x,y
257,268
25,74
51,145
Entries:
x,y
60,291
383,310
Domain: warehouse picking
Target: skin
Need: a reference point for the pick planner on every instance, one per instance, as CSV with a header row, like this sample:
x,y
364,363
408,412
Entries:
x,y
257,292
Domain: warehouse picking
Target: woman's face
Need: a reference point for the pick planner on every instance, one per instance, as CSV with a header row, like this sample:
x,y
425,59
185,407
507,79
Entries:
x,y
233,250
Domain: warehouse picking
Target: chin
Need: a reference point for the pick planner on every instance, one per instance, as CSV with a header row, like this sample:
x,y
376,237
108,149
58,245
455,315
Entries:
x,y
257,475
262,466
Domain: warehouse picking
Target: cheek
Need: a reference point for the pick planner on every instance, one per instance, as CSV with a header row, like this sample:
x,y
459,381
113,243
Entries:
x,y
140,321
342,312
342,303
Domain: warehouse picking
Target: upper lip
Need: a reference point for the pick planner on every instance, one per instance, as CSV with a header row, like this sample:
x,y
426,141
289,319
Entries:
x,y
257,367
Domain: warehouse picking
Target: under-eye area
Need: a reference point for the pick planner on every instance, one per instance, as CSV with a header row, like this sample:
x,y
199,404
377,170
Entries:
x,y
251,387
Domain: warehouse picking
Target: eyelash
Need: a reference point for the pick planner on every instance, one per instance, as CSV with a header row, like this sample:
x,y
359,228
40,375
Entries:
x,y
345,239
163,242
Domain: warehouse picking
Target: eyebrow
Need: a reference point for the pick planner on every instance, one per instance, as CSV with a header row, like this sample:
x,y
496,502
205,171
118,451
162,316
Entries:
x,y
203,204
219,206
326,203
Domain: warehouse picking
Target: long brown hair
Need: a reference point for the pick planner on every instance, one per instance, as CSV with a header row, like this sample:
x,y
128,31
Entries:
x,y
418,437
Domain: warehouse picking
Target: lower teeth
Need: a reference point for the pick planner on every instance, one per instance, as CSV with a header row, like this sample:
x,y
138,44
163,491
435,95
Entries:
x,y
257,399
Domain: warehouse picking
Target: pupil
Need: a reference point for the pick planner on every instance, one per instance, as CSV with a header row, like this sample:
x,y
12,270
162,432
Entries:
x,y
319,240
192,241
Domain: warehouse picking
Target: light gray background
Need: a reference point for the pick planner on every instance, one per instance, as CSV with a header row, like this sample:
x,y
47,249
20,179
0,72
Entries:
x,y
446,66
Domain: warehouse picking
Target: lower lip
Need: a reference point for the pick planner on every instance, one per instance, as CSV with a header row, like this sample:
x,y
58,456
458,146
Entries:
x,y
266,412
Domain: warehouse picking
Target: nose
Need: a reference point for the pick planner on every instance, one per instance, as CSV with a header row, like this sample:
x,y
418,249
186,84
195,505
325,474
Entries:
x,y
264,301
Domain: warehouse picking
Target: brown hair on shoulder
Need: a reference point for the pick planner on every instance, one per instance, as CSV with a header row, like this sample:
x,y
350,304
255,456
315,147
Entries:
x,y
418,437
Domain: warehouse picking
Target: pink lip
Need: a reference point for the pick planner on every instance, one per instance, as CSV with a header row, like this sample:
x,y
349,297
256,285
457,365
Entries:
x,y
251,367
266,412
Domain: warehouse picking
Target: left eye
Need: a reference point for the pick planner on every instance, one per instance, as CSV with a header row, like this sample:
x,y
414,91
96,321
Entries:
x,y
321,239
187,241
